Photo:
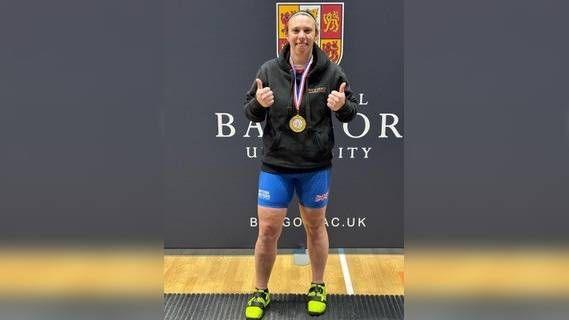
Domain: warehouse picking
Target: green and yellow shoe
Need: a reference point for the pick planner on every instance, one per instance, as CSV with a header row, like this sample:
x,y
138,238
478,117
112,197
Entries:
x,y
257,304
316,304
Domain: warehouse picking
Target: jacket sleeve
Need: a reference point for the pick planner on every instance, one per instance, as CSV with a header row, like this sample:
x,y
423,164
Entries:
x,y
253,110
349,110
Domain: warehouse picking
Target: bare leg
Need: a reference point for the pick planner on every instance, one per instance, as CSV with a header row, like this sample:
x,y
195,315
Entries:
x,y
270,228
316,239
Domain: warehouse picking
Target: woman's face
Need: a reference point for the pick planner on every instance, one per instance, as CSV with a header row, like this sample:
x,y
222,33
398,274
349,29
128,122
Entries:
x,y
301,34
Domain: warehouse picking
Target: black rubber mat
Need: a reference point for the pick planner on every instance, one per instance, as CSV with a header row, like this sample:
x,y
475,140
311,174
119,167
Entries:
x,y
283,306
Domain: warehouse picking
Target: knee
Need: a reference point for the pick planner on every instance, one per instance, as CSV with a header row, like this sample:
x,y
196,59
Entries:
x,y
315,227
269,233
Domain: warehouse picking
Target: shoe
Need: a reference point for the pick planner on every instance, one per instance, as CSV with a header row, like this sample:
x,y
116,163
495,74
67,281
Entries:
x,y
316,304
257,304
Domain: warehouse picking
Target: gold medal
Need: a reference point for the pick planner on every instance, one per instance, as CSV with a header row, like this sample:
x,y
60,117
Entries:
x,y
297,123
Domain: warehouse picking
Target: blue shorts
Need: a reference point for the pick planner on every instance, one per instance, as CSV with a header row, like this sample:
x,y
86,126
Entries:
x,y
276,189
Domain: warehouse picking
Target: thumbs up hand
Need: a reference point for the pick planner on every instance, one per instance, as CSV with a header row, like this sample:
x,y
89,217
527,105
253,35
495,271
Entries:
x,y
264,95
337,99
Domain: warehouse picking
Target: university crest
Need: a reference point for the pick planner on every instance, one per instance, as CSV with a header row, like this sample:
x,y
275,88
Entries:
x,y
330,18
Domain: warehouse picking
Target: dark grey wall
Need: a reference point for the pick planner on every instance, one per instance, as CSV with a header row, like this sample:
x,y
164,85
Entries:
x,y
109,122
486,99
212,52
79,129
82,147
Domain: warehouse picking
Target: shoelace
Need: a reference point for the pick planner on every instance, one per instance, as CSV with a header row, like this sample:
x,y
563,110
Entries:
x,y
259,296
316,289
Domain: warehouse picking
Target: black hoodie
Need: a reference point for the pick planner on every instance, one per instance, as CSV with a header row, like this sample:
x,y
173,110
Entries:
x,y
283,149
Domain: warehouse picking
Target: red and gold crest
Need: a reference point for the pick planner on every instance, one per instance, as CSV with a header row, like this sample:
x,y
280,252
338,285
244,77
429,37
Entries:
x,y
330,18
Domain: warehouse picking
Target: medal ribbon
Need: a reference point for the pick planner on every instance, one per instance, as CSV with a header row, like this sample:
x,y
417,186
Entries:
x,y
298,92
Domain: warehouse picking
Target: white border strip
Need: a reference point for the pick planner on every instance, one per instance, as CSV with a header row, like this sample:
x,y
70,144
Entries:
x,y
345,271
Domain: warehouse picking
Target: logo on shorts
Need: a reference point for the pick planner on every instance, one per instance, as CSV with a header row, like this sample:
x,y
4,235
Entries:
x,y
321,197
264,194
330,18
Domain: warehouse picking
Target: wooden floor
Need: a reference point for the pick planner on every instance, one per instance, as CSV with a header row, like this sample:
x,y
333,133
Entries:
x,y
489,272
80,272
104,272
370,273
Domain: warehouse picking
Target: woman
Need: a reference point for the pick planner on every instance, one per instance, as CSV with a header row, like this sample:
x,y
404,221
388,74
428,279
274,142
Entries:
x,y
296,95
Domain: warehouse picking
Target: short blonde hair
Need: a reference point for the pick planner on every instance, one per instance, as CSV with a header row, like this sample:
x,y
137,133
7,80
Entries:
x,y
304,13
